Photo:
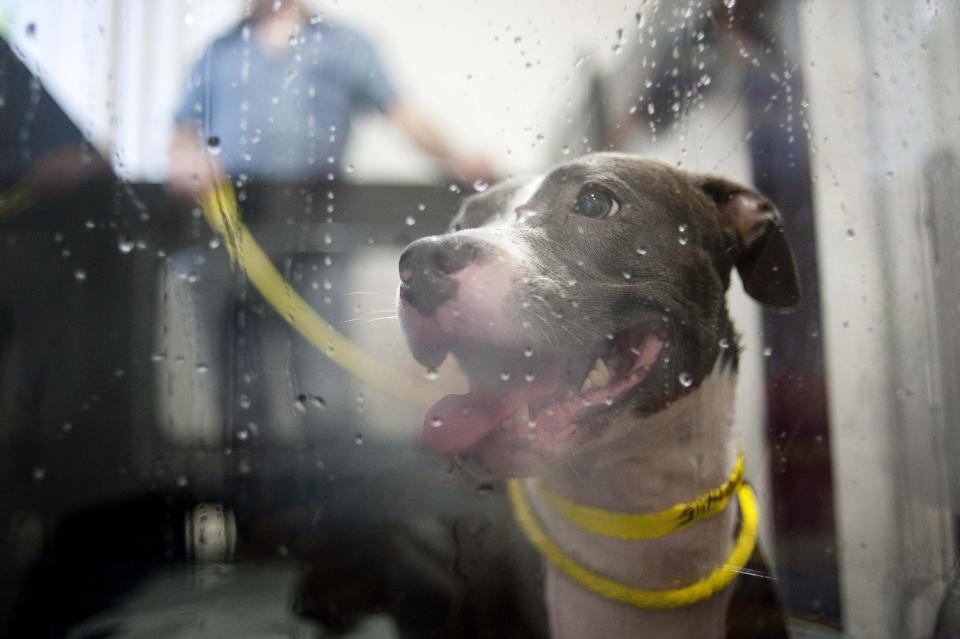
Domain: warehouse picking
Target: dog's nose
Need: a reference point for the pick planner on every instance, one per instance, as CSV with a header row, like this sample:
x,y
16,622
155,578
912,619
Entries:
x,y
426,267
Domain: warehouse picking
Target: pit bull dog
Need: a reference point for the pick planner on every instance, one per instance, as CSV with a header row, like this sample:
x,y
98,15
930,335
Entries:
x,y
587,309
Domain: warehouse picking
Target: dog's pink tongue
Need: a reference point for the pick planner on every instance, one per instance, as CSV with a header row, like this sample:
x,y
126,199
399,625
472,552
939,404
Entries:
x,y
457,422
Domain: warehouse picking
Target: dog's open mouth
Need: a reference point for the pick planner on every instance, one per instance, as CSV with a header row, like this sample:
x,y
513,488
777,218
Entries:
x,y
548,402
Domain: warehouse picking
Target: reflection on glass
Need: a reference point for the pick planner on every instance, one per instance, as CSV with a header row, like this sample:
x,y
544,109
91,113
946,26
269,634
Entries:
x,y
412,321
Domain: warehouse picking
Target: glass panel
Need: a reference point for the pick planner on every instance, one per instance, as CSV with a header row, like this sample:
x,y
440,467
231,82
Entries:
x,y
385,320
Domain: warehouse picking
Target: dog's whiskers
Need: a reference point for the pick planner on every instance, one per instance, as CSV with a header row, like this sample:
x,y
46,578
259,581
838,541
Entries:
x,y
369,320
751,573
382,310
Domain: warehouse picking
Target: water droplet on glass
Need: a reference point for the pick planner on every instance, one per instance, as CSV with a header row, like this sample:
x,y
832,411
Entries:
x,y
80,275
300,404
850,234
39,473
641,251
31,30
627,275
485,489
528,352
724,343
682,239
213,145
729,4
242,435
618,44
432,374
203,369
349,168
125,244
686,379
529,377
436,422
358,440
505,376
767,352
410,221
565,150
480,186
244,401
182,481
318,402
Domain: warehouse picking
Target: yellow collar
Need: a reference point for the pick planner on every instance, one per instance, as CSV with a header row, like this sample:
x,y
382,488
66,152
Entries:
x,y
608,588
647,525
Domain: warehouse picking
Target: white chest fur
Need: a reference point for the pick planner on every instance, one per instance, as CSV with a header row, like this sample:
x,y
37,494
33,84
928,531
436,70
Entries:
x,y
644,465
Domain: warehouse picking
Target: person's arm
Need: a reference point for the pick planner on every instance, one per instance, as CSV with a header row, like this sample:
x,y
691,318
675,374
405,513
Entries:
x,y
374,88
192,167
465,167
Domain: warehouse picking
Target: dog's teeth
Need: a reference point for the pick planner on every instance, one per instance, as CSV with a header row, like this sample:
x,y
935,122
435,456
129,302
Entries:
x,y
587,385
600,375
597,379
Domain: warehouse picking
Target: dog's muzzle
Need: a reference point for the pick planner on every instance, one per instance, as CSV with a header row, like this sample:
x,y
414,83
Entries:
x,y
427,266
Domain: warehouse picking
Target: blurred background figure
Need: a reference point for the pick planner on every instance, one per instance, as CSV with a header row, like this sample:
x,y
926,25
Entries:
x,y
273,98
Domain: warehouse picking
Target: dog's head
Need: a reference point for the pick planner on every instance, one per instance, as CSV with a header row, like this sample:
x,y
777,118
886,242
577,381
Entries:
x,y
573,298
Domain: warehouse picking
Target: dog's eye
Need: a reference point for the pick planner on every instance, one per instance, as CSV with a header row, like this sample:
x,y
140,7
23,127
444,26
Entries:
x,y
597,202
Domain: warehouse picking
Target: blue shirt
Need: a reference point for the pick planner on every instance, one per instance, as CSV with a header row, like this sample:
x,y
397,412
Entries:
x,y
283,115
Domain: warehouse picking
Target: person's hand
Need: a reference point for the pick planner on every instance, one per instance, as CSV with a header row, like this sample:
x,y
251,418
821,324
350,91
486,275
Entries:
x,y
64,169
473,168
193,170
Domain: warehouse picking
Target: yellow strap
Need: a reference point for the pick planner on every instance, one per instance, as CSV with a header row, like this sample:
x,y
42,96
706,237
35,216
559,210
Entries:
x,y
221,211
220,208
641,598
647,525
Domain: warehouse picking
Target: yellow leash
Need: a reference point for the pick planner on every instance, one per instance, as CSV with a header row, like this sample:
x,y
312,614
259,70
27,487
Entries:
x,y
647,525
220,209
609,588
222,213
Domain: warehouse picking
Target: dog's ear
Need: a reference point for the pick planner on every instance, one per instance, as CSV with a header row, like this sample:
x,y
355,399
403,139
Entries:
x,y
762,255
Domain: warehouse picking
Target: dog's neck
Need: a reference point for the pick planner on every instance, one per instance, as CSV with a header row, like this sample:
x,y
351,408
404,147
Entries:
x,y
674,456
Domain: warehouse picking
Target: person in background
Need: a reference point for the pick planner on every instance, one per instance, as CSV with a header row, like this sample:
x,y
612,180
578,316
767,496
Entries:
x,y
272,99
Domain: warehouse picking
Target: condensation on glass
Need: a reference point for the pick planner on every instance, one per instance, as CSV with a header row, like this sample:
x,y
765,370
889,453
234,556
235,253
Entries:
x,y
213,420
